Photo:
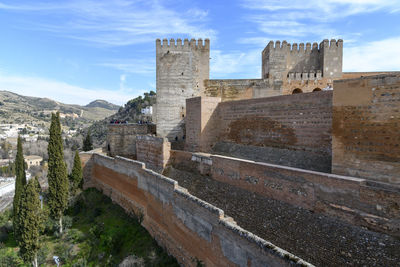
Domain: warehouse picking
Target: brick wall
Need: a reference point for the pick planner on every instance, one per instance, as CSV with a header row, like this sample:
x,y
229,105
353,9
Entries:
x,y
290,130
121,138
188,227
366,128
153,151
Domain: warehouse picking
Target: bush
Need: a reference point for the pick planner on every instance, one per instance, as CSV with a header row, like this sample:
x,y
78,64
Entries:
x,y
42,254
67,222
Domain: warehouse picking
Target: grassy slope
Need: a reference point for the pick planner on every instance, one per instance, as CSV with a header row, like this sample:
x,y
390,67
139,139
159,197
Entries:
x,y
101,234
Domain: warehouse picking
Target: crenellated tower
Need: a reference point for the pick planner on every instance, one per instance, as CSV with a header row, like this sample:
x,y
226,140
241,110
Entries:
x,y
281,61
181,70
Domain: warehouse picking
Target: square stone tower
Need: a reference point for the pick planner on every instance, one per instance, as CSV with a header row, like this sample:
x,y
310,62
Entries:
x,y
281,61
181,70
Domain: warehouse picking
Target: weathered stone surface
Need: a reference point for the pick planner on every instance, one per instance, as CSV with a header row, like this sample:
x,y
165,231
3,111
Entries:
x,y
153,151
181,70
121,138
353,200
266,129
319,237
188,227
366,128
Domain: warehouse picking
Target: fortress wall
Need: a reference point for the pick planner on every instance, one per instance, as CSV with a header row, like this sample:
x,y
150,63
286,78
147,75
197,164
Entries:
x,y
153,151
202,123
237,89
354,200
290,130
121,138
189,228
366,127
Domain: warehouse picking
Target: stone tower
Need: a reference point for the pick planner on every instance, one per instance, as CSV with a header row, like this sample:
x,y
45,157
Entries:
x,y
304,62
181,70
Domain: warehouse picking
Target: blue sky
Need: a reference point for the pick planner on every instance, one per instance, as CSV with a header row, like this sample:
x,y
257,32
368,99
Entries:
x,y
82,50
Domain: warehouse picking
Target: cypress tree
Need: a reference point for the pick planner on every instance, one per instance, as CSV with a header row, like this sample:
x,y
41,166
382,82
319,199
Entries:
x,y
31,223
20,182
76,174
87,143
57,174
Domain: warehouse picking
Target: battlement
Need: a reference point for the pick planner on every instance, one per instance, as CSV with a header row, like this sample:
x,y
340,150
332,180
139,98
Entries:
x,y
281,58
301,47
186,44
304,76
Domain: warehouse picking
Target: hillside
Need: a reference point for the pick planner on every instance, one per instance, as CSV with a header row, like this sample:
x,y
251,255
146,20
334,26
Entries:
x,y
16,108
102,104
130,112
96,233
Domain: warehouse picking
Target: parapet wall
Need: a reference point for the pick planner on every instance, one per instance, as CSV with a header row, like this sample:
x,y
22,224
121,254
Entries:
x,y
121,138
239,89
290,130
189,228
153,151
354,200
366,127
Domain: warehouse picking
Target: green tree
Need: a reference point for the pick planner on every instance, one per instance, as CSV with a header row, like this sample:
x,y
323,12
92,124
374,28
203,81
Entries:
x,y
87,142
57,172
31,223
75,178
20,182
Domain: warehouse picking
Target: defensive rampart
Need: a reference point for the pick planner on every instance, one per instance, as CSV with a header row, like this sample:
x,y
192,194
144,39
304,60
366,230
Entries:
x,y
189,228
354,200
290,130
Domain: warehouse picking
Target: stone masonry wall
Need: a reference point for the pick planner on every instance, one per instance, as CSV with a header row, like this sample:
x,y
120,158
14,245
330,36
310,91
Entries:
x,y
181,70
366,128
328,220
153,151
238,89
290,130
189,228
121,138
354,200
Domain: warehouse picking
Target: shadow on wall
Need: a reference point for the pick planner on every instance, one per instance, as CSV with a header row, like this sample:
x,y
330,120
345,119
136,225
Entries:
x,y
288,130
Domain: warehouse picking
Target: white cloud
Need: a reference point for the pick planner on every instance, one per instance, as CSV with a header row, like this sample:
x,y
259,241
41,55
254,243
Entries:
x,y
137,66
61,91
313,18
382,55
116,23
228,64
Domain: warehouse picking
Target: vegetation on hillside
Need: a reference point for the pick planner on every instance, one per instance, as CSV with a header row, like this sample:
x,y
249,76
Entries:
x,y
96,233
16,108
130,112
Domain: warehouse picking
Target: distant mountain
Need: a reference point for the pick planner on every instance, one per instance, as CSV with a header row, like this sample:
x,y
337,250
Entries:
x,y
102,104
16,108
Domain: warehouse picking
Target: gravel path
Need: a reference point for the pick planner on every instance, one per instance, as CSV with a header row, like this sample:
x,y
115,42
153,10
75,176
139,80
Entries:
x,y
318,239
